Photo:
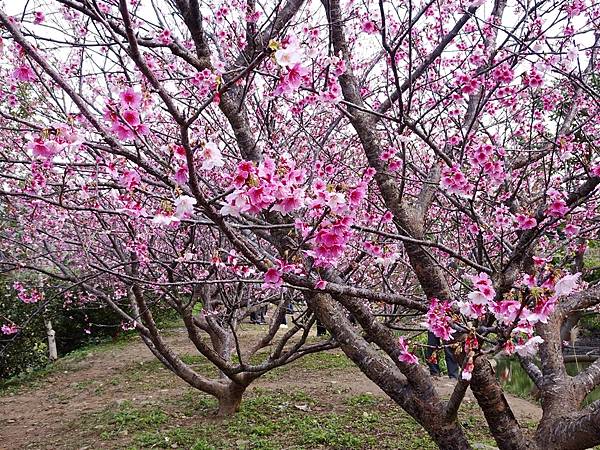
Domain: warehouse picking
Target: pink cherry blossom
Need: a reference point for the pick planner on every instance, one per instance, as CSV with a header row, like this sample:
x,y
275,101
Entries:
x,y
289,56
506,311
44,149
321,284
330,241
122,131
291,81
130,179
182,175
27,296
470,309
357,195
184,206
273,278
369,27
39,17
130,99
211,156
164,220
289,201
571,230
467,370
483,284
528,348
164,37
567,284
503,219
438,320
24,73
544,307
533,79
405,355
468,84
9,329
524,222
131,117
557,208
454,181
503,74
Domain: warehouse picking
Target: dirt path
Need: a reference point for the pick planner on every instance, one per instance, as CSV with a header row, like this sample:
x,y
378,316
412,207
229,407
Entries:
x,y
38,414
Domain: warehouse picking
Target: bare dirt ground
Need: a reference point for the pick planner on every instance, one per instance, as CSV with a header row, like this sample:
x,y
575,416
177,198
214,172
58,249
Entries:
x,y
38,415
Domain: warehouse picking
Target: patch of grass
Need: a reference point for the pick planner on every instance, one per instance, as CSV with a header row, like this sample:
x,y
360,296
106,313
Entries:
x,y
34,378
325,361
127,415
203,444
175,437
201,364
322,361
137,371
195,403
271,420
151,375
125,418
14,384
362,400
590,324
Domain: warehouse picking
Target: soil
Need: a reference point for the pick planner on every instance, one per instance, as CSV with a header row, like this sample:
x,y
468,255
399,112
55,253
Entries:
x,y
37,414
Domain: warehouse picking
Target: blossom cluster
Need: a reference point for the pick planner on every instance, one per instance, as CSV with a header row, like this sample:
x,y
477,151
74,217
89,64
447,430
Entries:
x,y
27,296
519,316
266,186
124,117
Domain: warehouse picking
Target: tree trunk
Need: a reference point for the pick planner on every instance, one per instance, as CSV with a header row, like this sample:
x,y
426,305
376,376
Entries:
x,y
500,418
573,432
230,399
223,344
52,353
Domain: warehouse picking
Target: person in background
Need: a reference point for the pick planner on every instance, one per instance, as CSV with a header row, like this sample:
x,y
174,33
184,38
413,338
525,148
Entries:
x,y
321,330
258,315
434,368
433,341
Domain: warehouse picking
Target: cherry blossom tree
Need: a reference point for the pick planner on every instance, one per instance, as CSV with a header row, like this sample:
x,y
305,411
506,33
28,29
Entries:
x,y
417,166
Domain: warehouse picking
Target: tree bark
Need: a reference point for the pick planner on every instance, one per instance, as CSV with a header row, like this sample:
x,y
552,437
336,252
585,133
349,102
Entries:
x,y
230,399
574,432
499,416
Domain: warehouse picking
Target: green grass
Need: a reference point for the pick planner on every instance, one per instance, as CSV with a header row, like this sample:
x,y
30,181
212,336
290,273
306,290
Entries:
x,y
123,419
324,361
268,420
364,400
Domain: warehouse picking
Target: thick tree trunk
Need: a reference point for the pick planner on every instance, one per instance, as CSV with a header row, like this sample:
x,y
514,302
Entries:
x,y
574,432
224,345
499,416
230,399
